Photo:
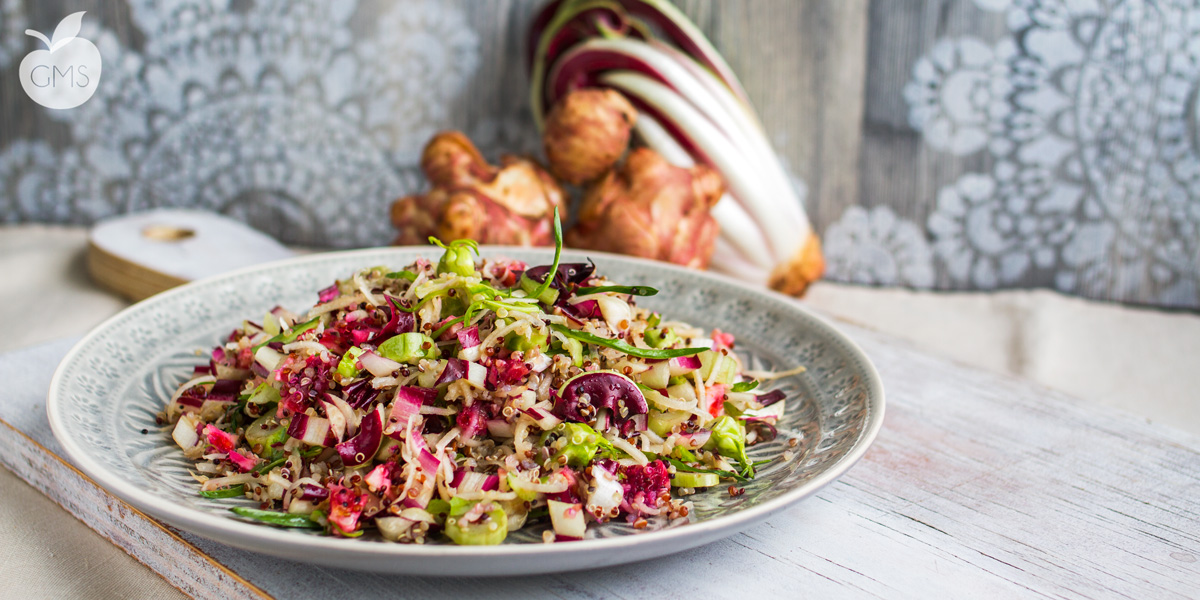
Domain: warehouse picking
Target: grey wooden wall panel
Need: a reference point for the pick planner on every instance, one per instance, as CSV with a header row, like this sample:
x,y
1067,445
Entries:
x,y
802,65
898,169
858,96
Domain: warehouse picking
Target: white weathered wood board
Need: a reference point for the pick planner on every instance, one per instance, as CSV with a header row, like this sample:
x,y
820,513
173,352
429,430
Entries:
x,y
979,486
141,254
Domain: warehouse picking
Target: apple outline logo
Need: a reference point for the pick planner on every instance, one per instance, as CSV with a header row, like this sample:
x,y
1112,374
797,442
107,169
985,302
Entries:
x,y
67,72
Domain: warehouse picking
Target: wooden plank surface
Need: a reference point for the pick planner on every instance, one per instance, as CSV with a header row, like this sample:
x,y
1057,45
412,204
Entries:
x,y
978,485
28,449
154,545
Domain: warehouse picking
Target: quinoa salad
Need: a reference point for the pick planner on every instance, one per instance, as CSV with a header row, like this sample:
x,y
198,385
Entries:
x,y
465,398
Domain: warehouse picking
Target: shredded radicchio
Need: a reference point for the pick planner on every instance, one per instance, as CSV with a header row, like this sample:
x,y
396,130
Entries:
x,y
771,397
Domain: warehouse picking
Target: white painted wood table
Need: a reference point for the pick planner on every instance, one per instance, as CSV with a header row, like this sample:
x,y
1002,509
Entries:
x,y
978,486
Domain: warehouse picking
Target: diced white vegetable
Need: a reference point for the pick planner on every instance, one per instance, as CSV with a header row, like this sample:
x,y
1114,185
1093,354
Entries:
x,y
774,410
657,377
268,358
379,366
315,431
337,421
300,507
683,365
477,375
606,493
567,519
616,311
185,432
471,354
393,528
428,378
682,391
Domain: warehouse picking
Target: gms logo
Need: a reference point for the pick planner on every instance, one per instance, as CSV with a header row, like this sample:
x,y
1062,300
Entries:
x,y
67,72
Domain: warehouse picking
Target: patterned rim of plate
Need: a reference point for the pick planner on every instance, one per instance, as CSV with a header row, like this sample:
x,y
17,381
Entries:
x,y
309,547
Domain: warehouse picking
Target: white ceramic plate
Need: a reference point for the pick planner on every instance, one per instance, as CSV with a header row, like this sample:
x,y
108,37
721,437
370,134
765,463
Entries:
x,y
109,387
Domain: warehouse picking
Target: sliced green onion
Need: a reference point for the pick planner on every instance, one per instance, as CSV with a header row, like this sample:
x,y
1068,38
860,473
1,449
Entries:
x,y
400,307
686,468
558,243
633,290
290,336
405,274
271,465
272,517
626,348
743,386
455,244
440,330
229,492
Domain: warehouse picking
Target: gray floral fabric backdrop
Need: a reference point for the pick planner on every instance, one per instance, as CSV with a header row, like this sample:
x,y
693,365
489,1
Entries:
x,y
948,144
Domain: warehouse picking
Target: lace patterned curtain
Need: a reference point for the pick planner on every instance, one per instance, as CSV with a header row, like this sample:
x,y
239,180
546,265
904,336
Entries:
x,y
949,144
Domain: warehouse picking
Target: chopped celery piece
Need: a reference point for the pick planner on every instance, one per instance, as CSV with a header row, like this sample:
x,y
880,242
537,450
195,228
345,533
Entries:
x,y
438,507
348,368
489,530
546,296
536,339
574,347
661,423
694,480
707,359
727,371
264,434
409,348
528,496
460,506
654,338
263,395
725,367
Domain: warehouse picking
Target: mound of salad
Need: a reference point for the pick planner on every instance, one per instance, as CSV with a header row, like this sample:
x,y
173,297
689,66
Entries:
x,y
469,398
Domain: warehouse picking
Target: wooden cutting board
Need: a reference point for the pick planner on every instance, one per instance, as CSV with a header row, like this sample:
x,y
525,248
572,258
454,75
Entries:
x,y
141,254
